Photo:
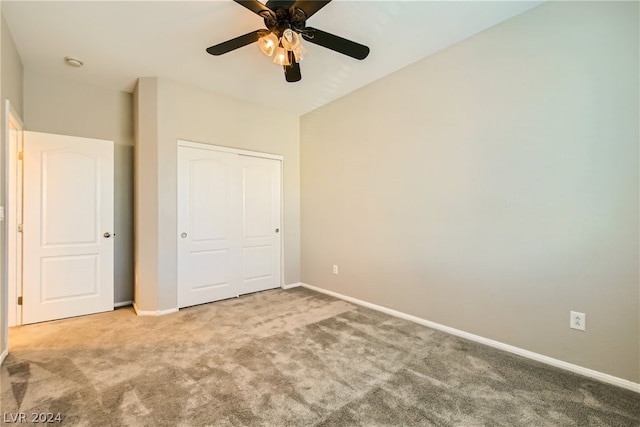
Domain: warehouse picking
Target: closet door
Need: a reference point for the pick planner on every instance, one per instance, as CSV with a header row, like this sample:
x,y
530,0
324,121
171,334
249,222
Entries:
x,y
229,231
260,224
209,226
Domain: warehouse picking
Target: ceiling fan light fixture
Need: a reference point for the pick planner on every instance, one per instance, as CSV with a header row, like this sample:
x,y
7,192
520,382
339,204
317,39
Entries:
x,y
290,39
268,43
281,56
299,52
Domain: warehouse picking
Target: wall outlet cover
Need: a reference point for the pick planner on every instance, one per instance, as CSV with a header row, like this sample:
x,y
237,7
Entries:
x,y
577,320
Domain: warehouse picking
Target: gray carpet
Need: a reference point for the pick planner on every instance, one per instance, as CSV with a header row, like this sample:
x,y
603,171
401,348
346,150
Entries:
x,y
288,358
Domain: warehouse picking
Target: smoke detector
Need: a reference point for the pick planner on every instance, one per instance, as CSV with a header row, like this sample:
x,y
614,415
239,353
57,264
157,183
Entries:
x,y
73,62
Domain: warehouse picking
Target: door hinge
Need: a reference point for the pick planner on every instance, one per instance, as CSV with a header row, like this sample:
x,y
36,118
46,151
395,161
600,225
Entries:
x,y
20,155
19,228
19,300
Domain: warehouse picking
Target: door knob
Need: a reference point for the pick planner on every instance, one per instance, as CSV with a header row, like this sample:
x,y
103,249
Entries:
x,y
277,230
183,235
107,234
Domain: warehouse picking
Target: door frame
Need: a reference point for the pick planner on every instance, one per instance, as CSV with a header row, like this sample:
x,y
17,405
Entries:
x,y
10,119
13,191
242,152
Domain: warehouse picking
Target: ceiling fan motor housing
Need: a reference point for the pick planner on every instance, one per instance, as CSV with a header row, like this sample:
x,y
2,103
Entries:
x,y
286,16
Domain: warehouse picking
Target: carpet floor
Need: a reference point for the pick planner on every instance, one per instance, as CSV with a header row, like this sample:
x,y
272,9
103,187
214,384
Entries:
x,y
287,358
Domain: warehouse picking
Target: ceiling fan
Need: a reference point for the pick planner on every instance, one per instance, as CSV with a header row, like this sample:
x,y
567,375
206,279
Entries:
x,y
286,22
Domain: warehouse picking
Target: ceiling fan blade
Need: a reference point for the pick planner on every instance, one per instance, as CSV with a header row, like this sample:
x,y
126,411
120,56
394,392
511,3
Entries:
x,y
292,72
333,42
234,44
310,6
256,7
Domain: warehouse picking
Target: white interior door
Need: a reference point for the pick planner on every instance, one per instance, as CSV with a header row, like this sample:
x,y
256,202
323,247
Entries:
x,y
68,226
228,224
208,226
260,224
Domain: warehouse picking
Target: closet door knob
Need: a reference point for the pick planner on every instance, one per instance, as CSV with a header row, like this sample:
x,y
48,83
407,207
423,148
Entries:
x,y
277,230
107,234
183,235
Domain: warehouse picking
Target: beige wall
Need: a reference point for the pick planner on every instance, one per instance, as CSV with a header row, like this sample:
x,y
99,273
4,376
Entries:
x,y
61,106
192,114
12,70
11,89
492,187
146,210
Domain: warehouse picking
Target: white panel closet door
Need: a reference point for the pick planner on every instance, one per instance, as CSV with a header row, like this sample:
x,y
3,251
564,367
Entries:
x,y
260,224
68,226
209,190
228,225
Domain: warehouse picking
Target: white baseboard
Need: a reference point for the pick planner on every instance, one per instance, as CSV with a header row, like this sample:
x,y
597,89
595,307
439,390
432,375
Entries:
x,y
122,304
600,376
291,285
3,355
153,313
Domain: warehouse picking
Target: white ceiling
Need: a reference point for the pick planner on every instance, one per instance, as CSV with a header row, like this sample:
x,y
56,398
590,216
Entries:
x,y
120,41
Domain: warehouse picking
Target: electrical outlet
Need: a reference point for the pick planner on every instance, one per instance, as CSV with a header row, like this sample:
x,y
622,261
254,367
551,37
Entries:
x,y
577,320
335,269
